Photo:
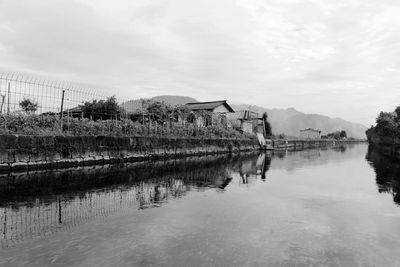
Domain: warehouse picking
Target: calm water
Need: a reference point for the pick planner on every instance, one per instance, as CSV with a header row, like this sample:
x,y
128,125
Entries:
x,y
336,207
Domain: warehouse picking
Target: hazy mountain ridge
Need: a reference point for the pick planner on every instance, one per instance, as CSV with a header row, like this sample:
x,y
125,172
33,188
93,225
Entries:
x,y
288,121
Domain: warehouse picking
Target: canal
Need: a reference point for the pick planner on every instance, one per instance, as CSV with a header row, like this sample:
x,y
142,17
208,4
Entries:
x,y
334,206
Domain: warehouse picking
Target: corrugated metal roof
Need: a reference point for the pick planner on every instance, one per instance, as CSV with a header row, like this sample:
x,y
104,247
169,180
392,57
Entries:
x,y
208,105
74,109
310,129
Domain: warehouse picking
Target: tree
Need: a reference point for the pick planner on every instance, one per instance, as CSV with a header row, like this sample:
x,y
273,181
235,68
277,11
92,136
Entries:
x,y
267,125
159,112
102,109
28,105
343,134
334,135
397,111
385,124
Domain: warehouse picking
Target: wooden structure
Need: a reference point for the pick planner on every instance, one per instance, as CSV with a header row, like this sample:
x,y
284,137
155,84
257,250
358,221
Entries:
x,y
248,121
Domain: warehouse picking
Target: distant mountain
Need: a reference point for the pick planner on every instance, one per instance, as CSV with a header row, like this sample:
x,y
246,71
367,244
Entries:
x,y
288,121
172,100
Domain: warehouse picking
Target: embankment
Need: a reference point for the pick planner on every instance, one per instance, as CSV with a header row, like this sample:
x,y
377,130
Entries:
x,y
26,153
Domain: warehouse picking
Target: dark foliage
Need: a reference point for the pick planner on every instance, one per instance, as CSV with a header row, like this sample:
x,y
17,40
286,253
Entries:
x,y
387,125
101,109
28,105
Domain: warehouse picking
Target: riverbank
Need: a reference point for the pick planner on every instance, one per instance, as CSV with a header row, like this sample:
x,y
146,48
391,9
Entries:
x,y
21,153
298,144
28,153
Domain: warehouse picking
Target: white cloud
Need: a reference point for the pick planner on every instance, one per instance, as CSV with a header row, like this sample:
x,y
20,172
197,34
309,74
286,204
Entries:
x,y
318,56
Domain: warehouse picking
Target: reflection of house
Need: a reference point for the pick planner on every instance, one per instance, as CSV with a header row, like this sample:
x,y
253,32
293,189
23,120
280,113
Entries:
x,y
216,110
310,134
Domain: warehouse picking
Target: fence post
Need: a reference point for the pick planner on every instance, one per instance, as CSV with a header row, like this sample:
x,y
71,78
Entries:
x,y
62,107
68,124
8,98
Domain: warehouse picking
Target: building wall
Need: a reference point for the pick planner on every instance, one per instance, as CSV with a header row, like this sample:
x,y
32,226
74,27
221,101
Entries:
x,y
200,121
309,134
247,127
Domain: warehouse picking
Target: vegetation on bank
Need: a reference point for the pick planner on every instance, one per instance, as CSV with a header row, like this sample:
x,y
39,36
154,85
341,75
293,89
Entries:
x,y
387,128
107,118
31,124
338,135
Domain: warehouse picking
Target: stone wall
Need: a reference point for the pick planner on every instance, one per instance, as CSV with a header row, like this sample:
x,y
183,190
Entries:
x,y
25,153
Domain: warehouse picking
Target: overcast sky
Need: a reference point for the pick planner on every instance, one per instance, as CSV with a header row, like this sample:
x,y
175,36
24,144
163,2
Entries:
x,y
339,58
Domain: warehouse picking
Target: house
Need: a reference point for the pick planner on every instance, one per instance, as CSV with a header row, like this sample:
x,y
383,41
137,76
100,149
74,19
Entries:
x,y
75,112
209,113
310,134
220,106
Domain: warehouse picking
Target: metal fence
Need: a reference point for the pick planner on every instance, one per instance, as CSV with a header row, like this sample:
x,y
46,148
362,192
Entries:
x,y
51,96
21,94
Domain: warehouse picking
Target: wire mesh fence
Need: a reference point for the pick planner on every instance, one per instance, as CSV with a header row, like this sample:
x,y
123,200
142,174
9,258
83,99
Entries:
x,y
36,105
53,97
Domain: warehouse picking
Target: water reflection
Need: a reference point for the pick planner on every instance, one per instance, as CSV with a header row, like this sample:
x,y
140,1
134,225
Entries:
x,y
250,171
42,203
387,170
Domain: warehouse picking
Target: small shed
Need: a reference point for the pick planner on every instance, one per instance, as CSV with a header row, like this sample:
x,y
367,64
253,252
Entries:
x,y
217,109
220,106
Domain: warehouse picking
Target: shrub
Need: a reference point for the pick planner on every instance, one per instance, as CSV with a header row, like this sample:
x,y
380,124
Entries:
x,y
31,124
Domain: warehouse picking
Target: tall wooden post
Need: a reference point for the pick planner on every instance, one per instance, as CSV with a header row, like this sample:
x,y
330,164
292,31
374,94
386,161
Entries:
x,y
62,108
263,123
8,98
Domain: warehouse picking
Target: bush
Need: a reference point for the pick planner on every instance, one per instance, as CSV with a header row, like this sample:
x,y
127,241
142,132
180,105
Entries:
x,y
31,124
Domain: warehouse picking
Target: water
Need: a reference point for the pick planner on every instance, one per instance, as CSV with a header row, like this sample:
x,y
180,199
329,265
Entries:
x,y
317,207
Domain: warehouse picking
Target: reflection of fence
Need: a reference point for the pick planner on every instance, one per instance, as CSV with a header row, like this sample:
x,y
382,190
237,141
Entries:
x,y
43,219
41,203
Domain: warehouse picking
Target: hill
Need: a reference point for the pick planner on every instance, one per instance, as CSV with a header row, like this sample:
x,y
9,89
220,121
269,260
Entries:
x,y
172,100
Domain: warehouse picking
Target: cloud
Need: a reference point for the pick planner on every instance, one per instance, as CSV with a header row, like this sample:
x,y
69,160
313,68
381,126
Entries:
x,y
338,58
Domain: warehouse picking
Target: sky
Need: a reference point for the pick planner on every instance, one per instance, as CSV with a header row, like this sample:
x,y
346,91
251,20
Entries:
x,y
337,58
